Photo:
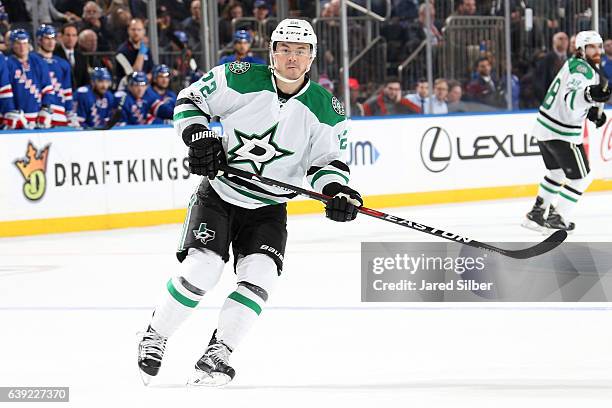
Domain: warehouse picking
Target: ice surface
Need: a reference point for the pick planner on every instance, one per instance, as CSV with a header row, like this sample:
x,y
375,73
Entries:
x,y
70,306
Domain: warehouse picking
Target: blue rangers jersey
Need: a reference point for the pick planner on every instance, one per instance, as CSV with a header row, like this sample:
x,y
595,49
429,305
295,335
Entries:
x,y
31,85
6,91
59,74
93,110
161,106
133,111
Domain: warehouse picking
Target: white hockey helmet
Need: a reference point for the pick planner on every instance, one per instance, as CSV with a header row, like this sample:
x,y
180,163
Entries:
x,y
296,31
585,38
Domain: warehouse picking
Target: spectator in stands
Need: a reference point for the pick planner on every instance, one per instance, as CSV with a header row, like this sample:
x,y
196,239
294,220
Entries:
x,y
93,19
88,43
572,45
191,25
242,47
118,21
483,88
158,93
606,59
165,26
66,48
261,31
466,8
232,11
547,69
47,13
417,32
356,106
454,102
438,100
30,83
178,10
420,95
389,101
94,102
134,54
326,83
60,75
405,9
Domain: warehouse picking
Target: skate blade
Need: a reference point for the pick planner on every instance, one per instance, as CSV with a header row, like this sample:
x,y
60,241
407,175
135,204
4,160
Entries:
x,y
203,379
532,225
146,378
548,231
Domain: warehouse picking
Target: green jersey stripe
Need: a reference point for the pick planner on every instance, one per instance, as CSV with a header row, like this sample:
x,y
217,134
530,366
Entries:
x,y
552,129
248,193
187,114
322,173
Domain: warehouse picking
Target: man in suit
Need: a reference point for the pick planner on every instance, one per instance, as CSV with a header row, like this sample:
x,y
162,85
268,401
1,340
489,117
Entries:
x,y
66,48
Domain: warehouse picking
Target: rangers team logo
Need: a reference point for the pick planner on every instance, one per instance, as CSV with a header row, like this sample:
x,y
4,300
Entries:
x,y
239,67
337,105
204,234
33,168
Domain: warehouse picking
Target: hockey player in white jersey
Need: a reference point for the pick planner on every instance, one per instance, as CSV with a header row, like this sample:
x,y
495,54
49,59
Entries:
x,y
279,124
576,92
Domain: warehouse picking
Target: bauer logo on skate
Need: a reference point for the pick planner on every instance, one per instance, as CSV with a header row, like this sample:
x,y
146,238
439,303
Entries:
x,y
33,168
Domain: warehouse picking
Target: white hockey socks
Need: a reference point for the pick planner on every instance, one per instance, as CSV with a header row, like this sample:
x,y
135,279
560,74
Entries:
x,y
570,194
200,272
257,275
550,186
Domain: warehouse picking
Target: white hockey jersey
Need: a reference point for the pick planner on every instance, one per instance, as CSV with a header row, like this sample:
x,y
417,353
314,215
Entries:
x,y
284,140
562,113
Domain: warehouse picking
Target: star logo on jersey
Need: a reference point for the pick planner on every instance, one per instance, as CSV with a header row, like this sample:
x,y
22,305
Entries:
x,y
257,150
204,234
337,105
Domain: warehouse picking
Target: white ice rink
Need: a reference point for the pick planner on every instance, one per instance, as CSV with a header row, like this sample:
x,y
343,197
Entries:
x,y
70,306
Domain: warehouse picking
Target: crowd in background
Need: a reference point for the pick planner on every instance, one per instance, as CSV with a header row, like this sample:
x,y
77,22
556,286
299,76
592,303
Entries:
x,y
90,60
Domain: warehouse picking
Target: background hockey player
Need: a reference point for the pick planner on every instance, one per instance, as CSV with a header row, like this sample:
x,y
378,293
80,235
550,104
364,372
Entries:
x,y
576,92
159,93
31,83
94,103
242,49
7,106
279,124
60,76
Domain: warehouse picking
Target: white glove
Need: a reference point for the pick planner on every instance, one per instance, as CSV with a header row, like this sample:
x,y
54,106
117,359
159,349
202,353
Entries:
x,y
73,120
44,118
15,120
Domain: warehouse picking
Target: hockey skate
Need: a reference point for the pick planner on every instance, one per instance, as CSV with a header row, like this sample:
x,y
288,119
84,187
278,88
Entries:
x,y
555,221
151,349
535,218
213,369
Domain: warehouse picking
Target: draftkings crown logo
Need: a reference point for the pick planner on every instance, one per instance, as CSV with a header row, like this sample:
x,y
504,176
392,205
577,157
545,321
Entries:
x,y
33,167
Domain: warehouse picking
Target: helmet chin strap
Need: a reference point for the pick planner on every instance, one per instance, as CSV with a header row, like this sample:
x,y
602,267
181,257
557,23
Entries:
x,y
287,80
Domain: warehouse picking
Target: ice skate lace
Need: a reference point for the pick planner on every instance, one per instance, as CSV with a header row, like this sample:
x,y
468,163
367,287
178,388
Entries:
x,y
218,353
152,346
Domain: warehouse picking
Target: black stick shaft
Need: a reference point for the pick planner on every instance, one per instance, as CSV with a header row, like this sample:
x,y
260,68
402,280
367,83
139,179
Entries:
x,y
550,243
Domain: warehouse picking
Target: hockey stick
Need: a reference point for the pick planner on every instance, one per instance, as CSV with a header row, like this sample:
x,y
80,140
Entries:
x,y
603,80
114,119
547,245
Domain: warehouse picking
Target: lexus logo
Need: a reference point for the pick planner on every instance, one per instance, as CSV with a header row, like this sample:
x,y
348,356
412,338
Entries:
x,y
436,149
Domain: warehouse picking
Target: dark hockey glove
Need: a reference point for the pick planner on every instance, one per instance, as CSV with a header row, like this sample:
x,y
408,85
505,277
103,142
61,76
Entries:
x,y
594,117
206,154
597,93
343,204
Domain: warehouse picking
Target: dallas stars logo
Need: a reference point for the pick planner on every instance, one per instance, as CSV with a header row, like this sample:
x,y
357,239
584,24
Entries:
x,y
204,234
257,150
